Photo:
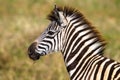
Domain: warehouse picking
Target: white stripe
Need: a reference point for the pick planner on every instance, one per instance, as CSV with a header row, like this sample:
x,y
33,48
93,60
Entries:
x,y
72,59
115,70
66,34
68,31
93,73
39,44
82,33
84,38
80,60
107,70
83,65
100,69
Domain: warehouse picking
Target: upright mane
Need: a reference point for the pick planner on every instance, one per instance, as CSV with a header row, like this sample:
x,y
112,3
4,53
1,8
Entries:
x,y
68,11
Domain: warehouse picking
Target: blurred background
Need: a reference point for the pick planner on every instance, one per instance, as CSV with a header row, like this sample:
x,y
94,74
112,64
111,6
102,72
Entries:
x,y
21,21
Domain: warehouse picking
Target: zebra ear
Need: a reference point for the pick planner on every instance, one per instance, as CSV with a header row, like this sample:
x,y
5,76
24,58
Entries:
x,y
56,14
60,17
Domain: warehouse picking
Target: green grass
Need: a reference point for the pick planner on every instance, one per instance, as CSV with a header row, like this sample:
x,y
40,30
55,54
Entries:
x,y
21,21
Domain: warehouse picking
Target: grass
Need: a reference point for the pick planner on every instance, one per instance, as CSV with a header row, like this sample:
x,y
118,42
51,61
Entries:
x,y
21,21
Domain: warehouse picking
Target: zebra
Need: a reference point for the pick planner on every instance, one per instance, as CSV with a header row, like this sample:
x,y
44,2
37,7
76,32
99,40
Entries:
x,y
80,43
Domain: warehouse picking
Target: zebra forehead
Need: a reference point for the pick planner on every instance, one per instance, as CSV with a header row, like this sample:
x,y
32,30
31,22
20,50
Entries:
x,y
53,26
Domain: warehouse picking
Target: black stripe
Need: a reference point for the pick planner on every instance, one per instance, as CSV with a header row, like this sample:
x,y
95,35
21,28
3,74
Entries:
x,y
54,44
87,67
79,67
41,47
72,30
93,56
75,62
80,45
48,42
80,24
83,52
104,69
44,52
99,63
111,70
69,26
117,73
89,55
44,45
58,38
76,34
91,64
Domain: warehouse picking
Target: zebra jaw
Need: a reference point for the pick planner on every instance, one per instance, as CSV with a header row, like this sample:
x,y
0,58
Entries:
x,y
31,52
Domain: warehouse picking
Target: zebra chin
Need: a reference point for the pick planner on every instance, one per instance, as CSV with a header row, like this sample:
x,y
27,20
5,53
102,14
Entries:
x,y
31,52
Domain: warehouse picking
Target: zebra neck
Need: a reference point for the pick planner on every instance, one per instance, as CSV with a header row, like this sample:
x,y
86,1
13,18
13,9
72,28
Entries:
x,y
81,40
81,43
75,58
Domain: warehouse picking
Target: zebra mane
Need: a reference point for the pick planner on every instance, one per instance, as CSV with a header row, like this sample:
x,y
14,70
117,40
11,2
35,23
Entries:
x,y
68,11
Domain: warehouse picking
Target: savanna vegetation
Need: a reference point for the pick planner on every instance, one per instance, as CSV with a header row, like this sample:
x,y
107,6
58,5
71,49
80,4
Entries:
x,y
21,21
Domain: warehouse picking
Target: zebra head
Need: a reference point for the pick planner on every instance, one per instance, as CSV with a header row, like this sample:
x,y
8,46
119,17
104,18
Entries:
x,y
51,39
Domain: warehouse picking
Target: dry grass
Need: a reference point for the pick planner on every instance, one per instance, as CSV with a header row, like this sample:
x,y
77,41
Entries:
x,y
21,21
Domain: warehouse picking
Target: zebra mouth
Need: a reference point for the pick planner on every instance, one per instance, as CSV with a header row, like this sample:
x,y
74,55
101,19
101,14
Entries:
x,y
34,56
31,52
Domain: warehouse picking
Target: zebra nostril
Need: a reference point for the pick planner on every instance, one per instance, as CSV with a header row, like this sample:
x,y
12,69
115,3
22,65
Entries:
x,y
32,47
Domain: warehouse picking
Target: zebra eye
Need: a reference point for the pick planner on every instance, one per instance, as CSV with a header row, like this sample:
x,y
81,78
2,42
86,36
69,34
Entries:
x,y
50,32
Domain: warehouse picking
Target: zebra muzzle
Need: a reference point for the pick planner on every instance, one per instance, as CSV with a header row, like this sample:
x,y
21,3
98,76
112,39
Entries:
x,y
31,52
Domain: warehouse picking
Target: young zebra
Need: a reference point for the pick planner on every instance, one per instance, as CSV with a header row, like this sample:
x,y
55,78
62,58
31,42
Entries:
x,y
81,46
